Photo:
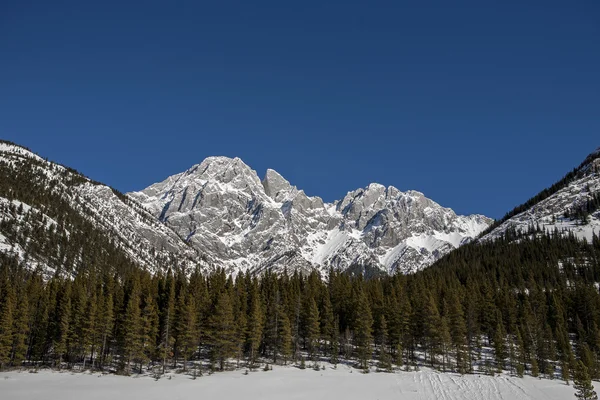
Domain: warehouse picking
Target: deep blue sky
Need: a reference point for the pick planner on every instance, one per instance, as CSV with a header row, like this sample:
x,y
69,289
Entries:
x,y
477,104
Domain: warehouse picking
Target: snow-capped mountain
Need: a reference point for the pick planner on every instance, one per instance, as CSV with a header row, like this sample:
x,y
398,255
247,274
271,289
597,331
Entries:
x,y
42,204
222,208
568,206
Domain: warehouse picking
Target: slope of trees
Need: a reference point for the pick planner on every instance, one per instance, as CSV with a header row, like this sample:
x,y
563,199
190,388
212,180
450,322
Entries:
x,y
587,166
529,305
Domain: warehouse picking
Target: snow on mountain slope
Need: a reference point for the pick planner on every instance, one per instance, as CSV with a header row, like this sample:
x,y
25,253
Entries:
x,y
135,231
223,208
559,210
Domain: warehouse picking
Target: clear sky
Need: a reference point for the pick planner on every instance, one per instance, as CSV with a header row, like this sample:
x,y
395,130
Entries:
x,y
478,104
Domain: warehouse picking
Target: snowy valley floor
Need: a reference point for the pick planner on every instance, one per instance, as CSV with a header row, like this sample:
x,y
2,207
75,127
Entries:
x,y
281,383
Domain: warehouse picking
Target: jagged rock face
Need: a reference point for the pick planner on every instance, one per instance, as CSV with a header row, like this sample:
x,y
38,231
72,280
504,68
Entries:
x,y
222,208
549,214
406,230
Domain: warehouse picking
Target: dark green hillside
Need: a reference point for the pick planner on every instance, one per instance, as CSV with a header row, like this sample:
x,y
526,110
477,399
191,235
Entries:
x,y
586,167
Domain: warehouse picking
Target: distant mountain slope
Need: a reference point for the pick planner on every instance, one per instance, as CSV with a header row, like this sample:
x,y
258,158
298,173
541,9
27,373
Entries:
x,y
223,208
55,218
570,205
218,213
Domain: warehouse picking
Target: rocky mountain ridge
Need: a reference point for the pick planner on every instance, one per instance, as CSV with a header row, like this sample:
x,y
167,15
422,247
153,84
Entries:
x,y
44,206
570,206
244,223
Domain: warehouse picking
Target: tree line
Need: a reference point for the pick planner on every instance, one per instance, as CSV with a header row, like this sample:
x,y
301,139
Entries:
x,y
530,306
589,166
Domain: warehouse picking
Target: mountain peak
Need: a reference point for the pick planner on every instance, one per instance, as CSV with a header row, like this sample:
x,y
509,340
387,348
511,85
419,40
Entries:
x,y
277,187
218,163
225,170
222,208
375,186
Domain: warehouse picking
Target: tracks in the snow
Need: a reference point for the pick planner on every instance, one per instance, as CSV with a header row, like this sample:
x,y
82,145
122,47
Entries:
x,y
447,386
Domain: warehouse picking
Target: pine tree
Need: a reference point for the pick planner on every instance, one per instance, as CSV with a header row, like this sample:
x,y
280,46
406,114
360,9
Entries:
x,y
88,328
335,342
458,332
240,313
500,346
535,369
363,331
20,329
255,323
445,342
432,323
149,328
61,323
75,338
188,329
312,327
385,360
167,308
40,301
221,331
105,326
7,311
583,383
132,324
327,325
565,372
520,356
284,336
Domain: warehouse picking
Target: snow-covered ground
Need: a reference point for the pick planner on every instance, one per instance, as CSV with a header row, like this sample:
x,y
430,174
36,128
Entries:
x,y
282,383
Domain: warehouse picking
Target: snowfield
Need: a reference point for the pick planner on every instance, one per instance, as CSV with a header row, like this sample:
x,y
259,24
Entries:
x,y
282,383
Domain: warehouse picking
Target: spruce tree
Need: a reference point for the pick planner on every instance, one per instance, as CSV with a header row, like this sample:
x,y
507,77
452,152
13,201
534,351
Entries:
x,y
188,329
88,328
327,325
255,323
385,360
445,342
583,383
432,324
500,346
335,342
105,326
76,335
565,371
20,329
284,336
150,325
535,369
363,331
312,327
7,311
167,308
458,332
61,323
240,313
520,356
222,336
132,324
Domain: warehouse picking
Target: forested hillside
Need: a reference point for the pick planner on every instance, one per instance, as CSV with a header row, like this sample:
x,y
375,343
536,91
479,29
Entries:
x,y
530,305
89,279
55,219
567,204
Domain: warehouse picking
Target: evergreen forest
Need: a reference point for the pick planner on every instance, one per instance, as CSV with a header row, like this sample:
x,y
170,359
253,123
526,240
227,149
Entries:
x,y
526,303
